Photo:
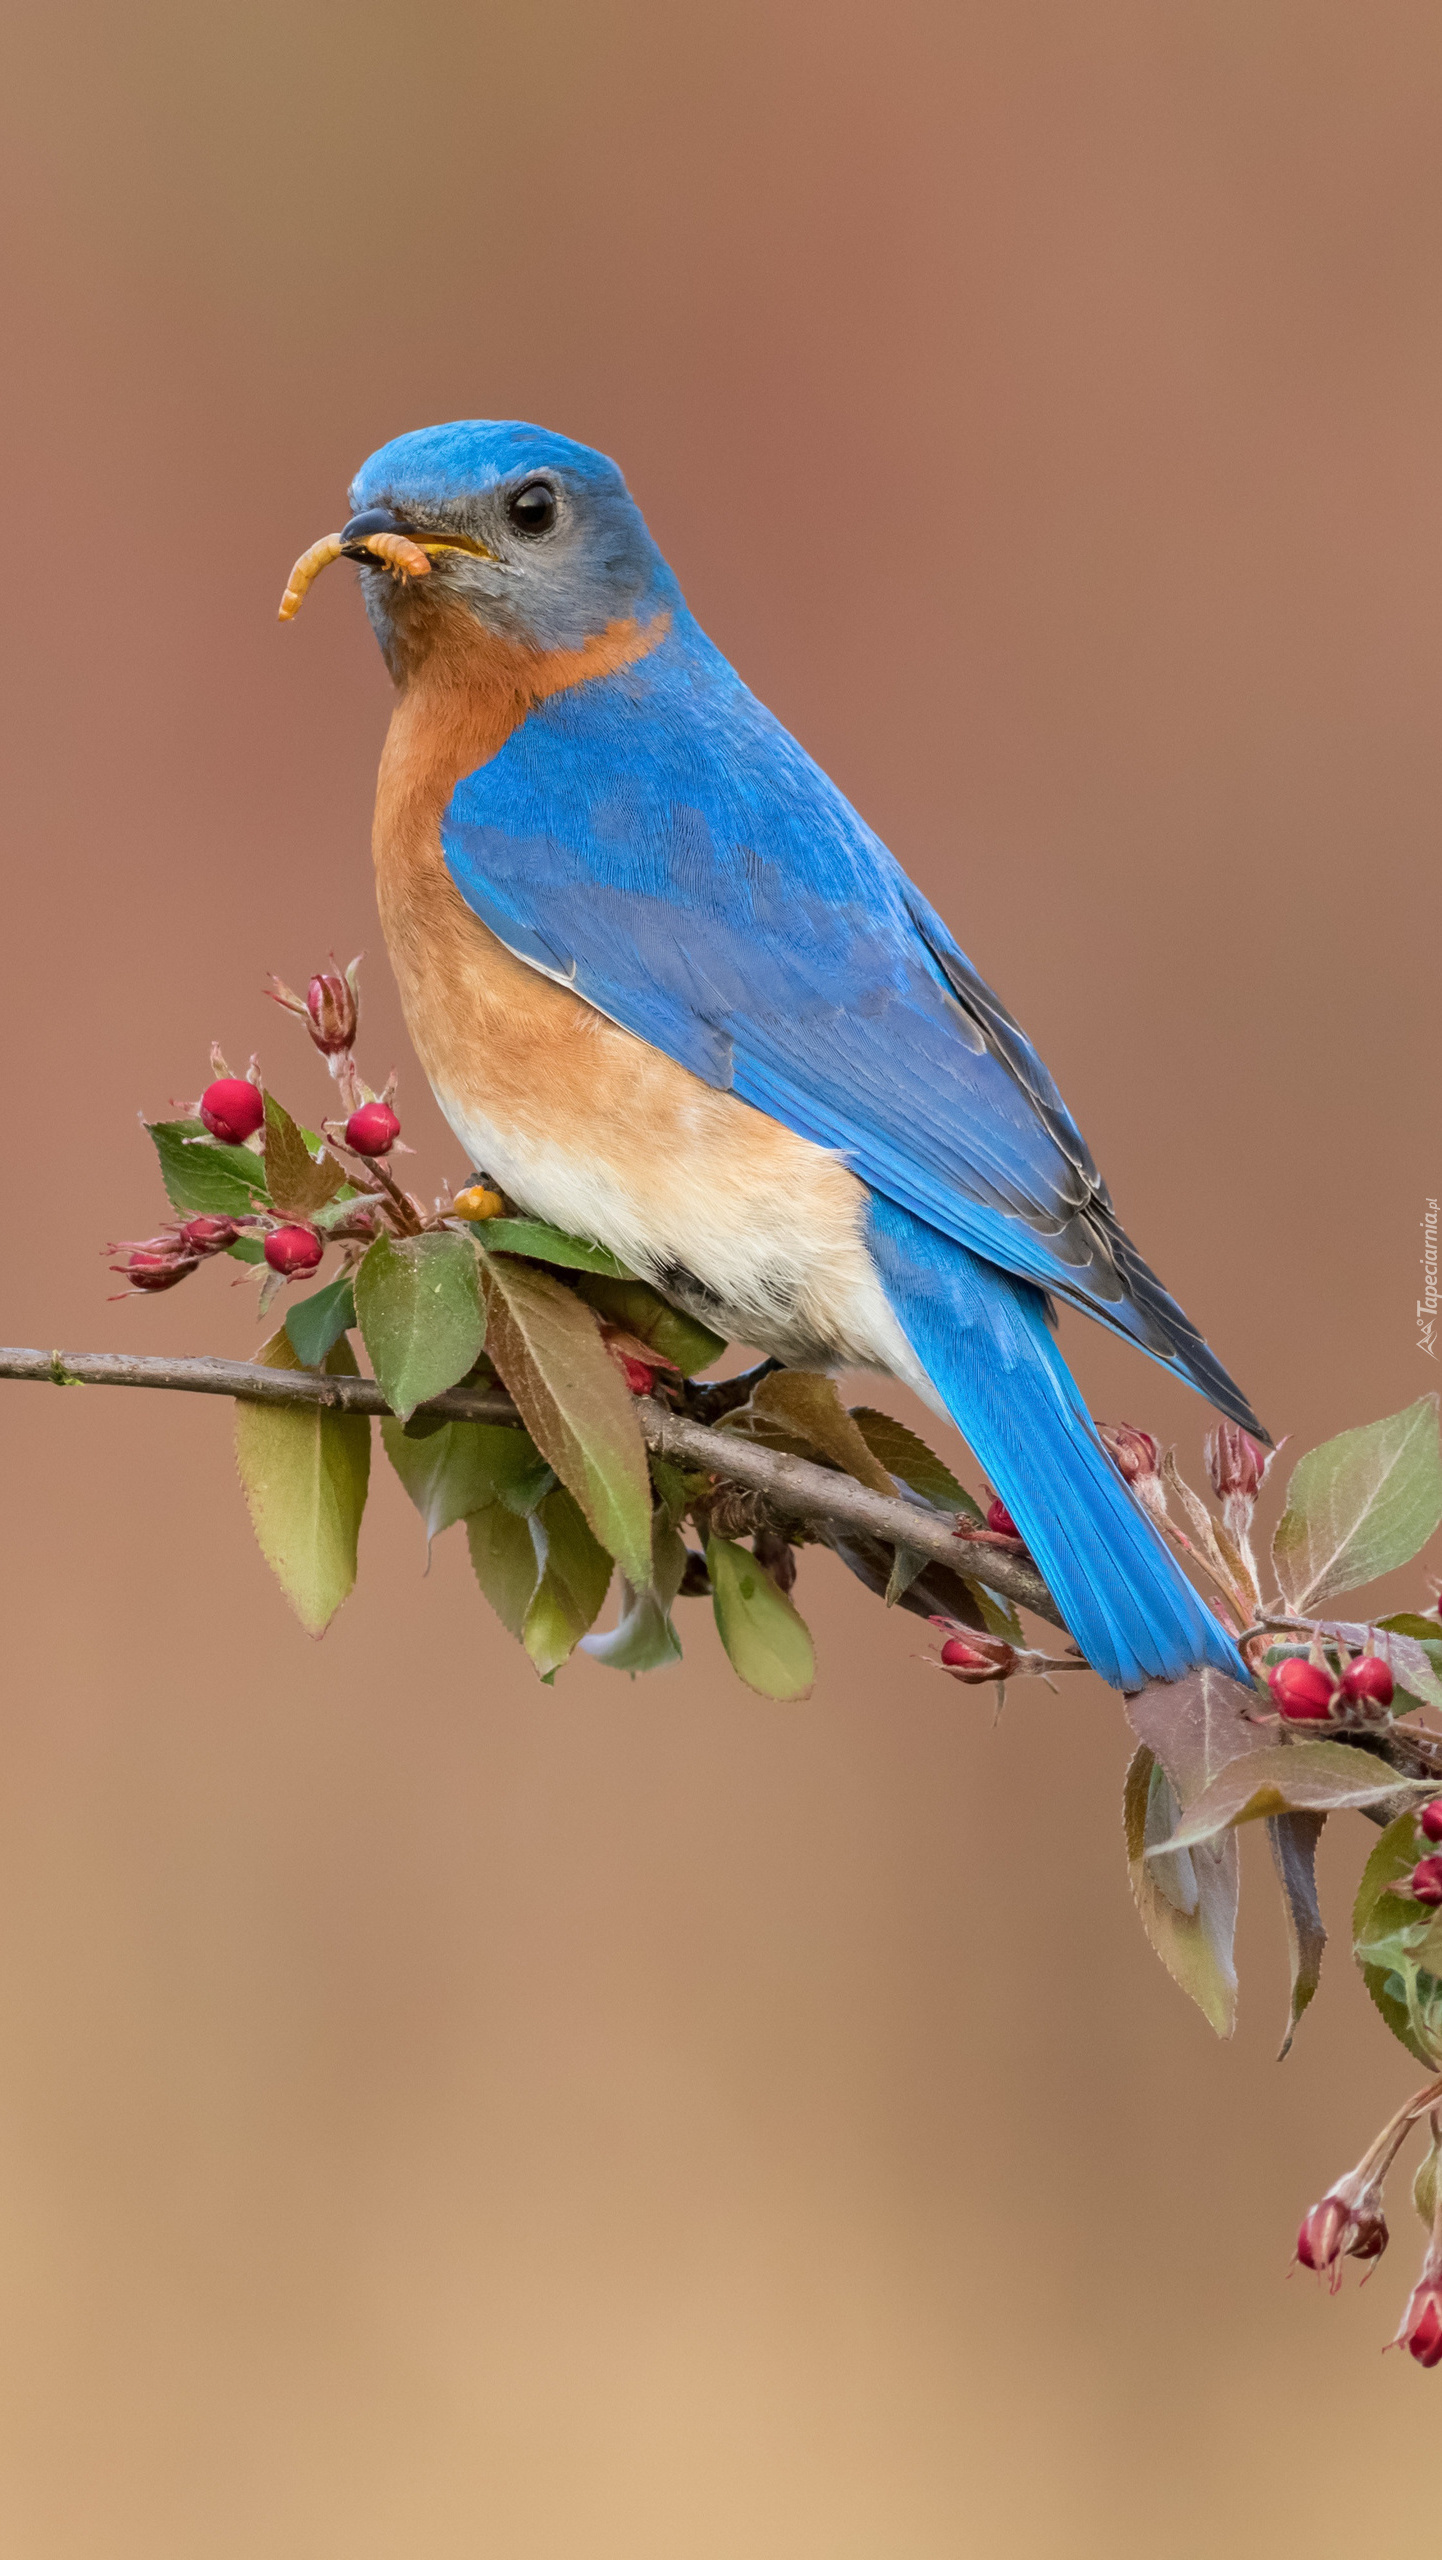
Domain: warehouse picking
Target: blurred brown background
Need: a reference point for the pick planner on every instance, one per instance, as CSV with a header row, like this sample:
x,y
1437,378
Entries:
x,y
439,2116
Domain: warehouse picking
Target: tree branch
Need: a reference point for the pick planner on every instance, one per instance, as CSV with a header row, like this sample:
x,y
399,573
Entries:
x,y
792,1486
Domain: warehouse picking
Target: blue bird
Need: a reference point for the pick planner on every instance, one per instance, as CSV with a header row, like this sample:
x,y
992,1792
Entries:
x,y
673,994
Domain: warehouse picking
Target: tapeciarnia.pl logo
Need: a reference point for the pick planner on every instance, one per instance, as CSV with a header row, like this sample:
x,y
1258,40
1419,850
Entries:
x,y
1427,1303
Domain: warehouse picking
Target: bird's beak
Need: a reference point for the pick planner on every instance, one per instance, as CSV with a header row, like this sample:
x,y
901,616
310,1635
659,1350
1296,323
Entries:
x,y
380,538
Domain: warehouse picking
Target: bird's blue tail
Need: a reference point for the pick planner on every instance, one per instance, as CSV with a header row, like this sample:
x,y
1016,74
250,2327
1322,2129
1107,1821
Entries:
x,y
983,1339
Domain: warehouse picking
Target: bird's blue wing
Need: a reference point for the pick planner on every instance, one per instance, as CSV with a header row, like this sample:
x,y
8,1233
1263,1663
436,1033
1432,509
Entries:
x,y
659,841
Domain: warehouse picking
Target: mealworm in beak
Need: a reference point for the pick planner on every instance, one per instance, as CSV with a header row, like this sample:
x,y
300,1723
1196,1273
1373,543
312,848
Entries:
x,y
395,551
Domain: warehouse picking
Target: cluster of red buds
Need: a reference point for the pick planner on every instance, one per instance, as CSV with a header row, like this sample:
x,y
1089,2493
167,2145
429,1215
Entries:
x,y
1348,2223
1307,1690
232,1111
157,1262
1424,1884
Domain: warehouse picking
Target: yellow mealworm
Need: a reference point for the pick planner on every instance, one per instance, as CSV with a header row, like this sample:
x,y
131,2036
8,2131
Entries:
x,y
399,553
307,567
394,550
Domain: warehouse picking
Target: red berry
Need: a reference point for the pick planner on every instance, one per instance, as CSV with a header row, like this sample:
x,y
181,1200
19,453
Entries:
x,y
210,1235
233,1109
373,1130
1430,1818
290,1250
1369,1680
1303,1690
1426,1880
999,1518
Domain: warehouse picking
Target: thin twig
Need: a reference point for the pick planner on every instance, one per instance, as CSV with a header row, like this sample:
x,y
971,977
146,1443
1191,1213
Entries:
x,y
792,1485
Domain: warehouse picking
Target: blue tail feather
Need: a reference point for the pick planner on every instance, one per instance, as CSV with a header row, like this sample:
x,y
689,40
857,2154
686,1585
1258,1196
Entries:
x,y
982,1337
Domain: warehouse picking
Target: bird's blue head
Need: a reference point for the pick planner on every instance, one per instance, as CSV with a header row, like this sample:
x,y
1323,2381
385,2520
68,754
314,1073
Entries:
x,y
536,537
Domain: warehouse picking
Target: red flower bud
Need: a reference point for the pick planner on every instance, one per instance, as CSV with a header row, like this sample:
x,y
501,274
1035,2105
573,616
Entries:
x,y
638,1363
1136,1453
1303,1690
332,1013
1368,1681
156,1264
373,1130
1346,2224
986,1658
209,1235
292,1250
1236,1462
1421,2330
233,1109
1430,1818
1426,1879
999,1518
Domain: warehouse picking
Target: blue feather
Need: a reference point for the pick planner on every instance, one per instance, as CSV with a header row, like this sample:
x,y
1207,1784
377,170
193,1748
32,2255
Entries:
x,y
984,1342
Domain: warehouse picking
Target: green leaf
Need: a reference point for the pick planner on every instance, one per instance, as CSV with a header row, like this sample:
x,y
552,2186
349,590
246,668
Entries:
x,y
1293,1838
1188,1905
911,1464
419,1303
1000,1617
536,1242
643,1638
765,1637
305,1474
1196,1726
300,1183
1289,1777
204,1178
313,1324
643,1311
1398,1945
674,1491
247,1249
910,1461
463,1467
808,1415
504,1560
574,1574
547,1346
1359,1506
545,1576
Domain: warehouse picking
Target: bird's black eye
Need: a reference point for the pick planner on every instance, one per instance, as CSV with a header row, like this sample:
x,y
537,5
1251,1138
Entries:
x,y
533,509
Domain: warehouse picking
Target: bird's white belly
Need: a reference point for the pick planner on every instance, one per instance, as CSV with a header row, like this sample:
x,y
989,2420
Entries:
x,y
769,1250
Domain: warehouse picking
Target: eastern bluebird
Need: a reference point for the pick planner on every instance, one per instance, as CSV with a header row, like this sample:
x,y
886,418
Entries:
x,y
674,995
